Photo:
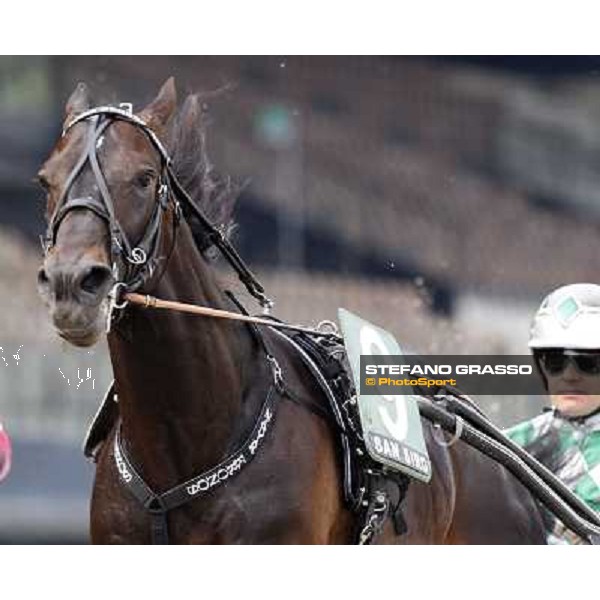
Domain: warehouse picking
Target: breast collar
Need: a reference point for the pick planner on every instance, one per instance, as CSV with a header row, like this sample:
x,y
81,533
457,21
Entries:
x,y
158,505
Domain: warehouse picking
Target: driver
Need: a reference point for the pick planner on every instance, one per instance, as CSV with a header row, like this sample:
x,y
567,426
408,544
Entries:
x,y
5,453
565,340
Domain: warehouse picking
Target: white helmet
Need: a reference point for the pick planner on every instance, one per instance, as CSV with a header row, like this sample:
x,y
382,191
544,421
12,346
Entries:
x,y
569,317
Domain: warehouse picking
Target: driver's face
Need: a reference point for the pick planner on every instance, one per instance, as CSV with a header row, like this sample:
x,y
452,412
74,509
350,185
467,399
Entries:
x,y
573,393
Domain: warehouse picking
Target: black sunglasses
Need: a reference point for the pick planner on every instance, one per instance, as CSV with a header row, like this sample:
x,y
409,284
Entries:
x,y
555,361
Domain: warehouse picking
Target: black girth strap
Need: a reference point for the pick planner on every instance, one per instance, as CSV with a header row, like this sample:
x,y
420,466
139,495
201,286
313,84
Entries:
x,y
157,505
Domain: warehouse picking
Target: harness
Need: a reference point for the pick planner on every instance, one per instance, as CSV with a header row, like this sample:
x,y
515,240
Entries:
x,y
370,490
158,505
134,264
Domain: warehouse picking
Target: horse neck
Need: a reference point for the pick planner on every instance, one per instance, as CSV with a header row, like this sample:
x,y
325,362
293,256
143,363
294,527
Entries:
x,y
180,378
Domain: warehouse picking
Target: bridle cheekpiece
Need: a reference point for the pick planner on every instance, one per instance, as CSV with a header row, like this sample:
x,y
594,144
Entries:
x,y
134,264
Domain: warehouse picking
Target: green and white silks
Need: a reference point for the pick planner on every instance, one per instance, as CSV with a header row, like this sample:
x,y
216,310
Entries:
x,y
570,448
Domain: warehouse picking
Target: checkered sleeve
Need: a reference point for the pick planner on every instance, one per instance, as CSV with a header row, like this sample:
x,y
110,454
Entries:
x,y
522,433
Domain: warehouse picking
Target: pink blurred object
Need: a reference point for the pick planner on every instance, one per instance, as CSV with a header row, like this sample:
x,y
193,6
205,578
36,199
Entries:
x,y
5,453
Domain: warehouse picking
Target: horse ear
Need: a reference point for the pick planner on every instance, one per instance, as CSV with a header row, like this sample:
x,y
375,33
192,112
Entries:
x,y
78,101
160,110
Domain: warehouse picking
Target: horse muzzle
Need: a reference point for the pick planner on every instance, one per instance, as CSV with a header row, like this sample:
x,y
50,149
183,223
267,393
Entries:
x,y
76,295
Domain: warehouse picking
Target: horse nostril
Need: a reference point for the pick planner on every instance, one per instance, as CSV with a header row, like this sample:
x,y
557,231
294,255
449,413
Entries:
x,y
42,277
94,279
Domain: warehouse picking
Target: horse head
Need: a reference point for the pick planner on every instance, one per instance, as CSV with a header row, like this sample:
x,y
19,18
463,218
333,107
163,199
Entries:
x,y
107,195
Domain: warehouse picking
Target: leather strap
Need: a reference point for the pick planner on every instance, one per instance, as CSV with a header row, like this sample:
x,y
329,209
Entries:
x,y
102,117
159,504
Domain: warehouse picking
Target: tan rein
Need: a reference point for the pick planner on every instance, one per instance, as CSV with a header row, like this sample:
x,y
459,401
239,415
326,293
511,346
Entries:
x,y
205,311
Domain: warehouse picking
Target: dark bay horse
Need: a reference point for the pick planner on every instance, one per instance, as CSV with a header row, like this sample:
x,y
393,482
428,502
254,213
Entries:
x,y
190,389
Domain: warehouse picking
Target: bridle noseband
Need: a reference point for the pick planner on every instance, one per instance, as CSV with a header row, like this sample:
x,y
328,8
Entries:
x,y
134,264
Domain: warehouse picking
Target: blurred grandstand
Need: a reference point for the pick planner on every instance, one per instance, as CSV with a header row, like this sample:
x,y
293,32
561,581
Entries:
x,y
438,198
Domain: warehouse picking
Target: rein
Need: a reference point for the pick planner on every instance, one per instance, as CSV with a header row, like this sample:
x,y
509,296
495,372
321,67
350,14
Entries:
x,y
151,302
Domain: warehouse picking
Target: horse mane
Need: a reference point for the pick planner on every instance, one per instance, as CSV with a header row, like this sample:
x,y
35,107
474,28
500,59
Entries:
x,y
213,192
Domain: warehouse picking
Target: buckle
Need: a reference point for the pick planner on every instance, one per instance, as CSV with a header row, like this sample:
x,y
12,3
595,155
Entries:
x,y
155,506
163,196
327,327
178,211
277,373
377,512
116,302
266,303
138,256
380,502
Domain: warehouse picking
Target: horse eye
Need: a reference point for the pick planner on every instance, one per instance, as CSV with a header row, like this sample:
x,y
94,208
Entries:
x,y
145,179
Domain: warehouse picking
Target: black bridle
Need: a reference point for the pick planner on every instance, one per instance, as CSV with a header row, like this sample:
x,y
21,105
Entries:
x,y
134,264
